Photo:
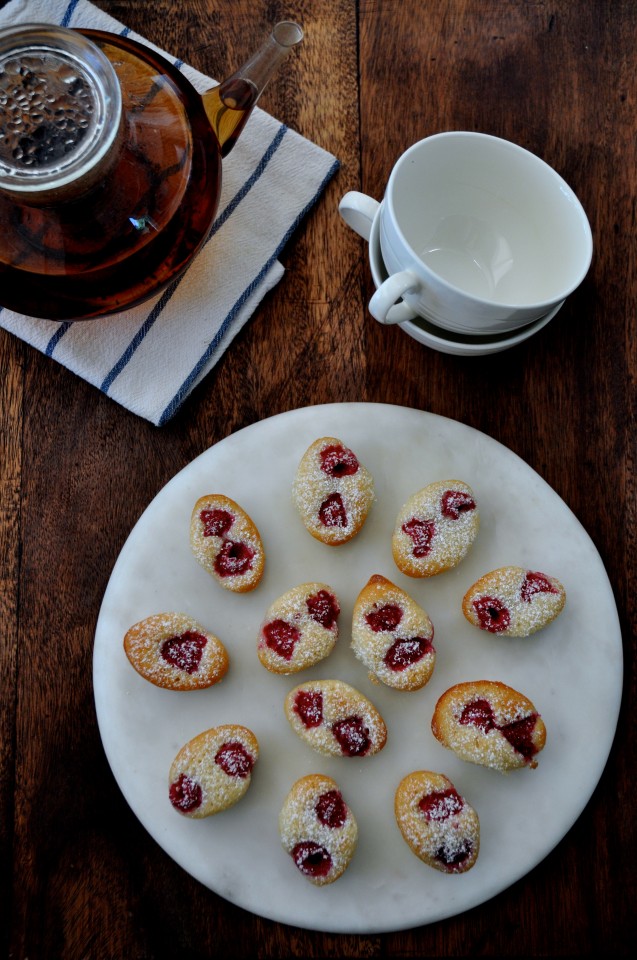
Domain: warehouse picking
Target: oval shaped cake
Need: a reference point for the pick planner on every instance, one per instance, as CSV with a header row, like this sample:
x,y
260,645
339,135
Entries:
x,y
332,491
213,770
488,723
172,650
335,719
435,528
392,635
439,826
299,629
226,542
318,829
513,601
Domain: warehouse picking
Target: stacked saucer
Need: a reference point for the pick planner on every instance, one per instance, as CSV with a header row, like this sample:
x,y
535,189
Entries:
x,y
448,341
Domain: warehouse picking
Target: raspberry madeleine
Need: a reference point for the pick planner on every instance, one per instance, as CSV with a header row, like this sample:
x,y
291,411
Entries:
x,y
332,491
335,719
299,629
318,829
488,723
174,651
513,601
213,770
439,826
226,543
435,528
392,635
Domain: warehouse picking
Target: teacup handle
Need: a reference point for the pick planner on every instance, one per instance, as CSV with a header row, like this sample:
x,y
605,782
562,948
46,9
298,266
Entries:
x,y
358,211
383,306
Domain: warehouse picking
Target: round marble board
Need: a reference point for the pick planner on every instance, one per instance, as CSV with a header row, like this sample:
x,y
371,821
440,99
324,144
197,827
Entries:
x,y
572,670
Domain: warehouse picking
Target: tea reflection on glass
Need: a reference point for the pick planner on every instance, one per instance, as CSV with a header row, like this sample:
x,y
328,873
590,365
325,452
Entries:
x,y
110,166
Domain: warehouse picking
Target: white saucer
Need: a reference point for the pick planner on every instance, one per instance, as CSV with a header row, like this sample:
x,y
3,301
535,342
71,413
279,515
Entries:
x,y
448,341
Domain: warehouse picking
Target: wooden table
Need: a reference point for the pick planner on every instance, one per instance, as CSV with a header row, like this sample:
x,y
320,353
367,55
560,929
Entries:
x,y
80,877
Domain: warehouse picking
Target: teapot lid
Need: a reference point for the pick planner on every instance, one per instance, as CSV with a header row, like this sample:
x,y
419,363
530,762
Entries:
x,y
60,107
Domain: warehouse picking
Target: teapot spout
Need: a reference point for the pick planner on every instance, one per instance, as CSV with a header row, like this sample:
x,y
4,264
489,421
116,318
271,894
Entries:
x,y
229,105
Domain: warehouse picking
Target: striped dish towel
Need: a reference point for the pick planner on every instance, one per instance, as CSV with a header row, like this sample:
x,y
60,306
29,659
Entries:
x,y
150,358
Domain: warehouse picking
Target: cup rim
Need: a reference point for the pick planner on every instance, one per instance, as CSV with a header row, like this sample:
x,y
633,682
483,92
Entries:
x,y
540,307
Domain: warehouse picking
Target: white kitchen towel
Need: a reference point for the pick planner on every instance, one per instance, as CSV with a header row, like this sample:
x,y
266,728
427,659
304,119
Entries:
x,y
149,358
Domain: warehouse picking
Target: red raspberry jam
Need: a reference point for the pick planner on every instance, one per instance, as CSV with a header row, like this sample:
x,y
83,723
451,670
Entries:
x,y
404,653
338,461
234,559
185,794
323,607
422,533
519,733
216,522
308,704
352,736
386,617
184,651
332,512
234,759
455,502
535,583
441,804
454,854
492,614
312,859
479,714
281,637
331,809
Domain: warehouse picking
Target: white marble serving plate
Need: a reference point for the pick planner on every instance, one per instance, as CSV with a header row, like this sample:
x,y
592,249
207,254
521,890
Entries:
x,y
572,670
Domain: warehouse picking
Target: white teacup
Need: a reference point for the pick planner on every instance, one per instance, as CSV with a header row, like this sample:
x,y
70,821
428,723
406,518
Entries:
x,y
477,234
448,341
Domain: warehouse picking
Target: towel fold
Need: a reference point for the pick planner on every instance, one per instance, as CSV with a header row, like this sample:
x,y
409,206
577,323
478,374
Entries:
x,y
149,358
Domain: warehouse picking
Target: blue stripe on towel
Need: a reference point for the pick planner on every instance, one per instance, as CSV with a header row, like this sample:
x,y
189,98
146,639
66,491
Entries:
x,y
57,336
191,379
166,296
156,311
148,323
68,13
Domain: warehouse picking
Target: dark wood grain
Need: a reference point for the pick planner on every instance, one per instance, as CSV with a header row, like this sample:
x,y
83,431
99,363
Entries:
x,y
80,877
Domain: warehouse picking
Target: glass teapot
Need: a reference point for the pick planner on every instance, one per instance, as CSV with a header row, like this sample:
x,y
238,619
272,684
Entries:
x,y
110,165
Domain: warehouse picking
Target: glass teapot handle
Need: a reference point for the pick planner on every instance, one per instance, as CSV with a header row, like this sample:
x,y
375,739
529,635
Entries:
x,y
229,105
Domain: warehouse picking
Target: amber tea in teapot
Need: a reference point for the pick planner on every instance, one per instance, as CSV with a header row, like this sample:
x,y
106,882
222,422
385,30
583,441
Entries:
x,y
110,166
